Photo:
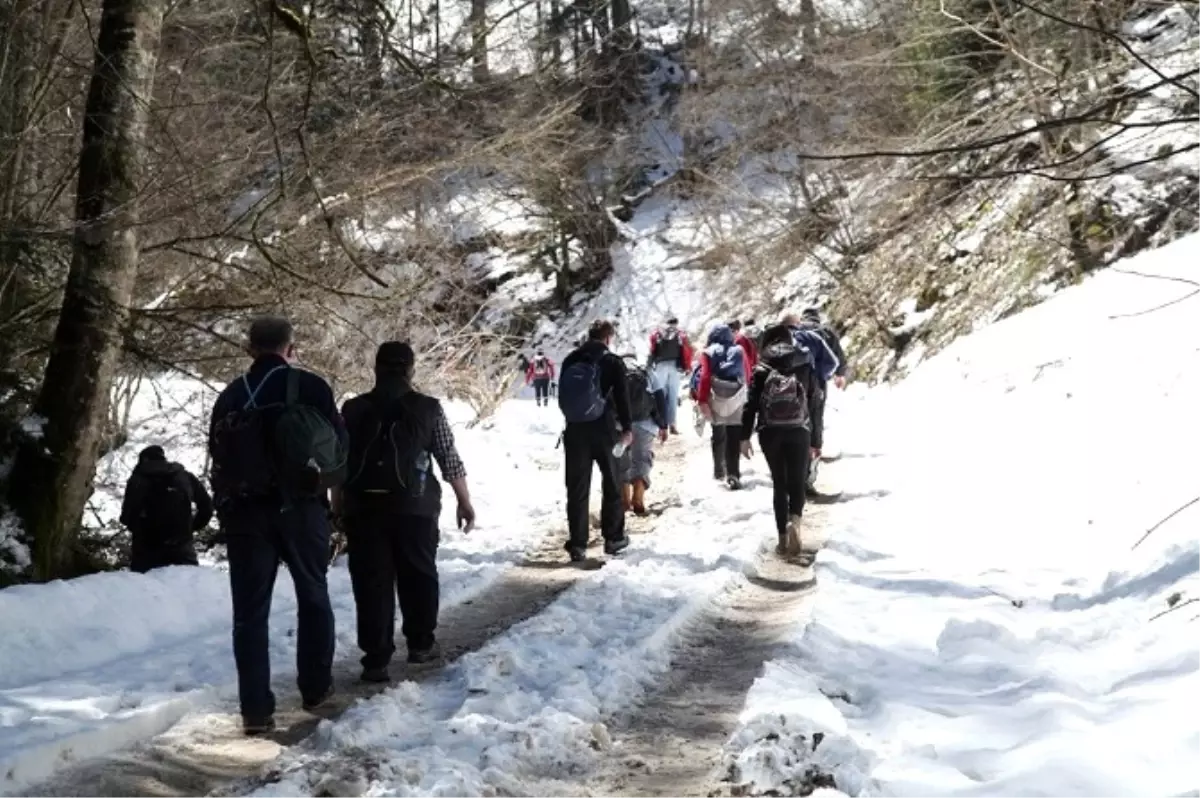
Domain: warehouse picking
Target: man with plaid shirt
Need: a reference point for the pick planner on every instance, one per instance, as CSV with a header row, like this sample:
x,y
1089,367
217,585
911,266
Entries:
x,y
390,506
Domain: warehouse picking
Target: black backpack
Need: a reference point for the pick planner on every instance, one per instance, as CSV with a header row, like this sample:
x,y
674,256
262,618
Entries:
x,y
166,511
289,447
580,397
641,401
784,400
387,454
669,347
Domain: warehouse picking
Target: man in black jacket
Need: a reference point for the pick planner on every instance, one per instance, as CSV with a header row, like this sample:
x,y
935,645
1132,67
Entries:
x,y
390,505
164,506
594,398
264,528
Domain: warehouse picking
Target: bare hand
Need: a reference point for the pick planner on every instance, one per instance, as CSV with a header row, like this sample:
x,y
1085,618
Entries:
x,y
466,517
747,450
840,382
706,411
662,435
815,454
627,438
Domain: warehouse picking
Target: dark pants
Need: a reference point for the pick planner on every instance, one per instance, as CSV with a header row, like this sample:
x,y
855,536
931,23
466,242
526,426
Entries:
x,y
259,536
541,389
585,444
727,450
393,557
146,556
787,455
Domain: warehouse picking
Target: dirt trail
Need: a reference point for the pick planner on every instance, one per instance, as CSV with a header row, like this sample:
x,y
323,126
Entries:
x,y
207,753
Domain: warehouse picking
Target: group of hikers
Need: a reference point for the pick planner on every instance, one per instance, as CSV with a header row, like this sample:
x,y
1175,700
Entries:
x,y
287,467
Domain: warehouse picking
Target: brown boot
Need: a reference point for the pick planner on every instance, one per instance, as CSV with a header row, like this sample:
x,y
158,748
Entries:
x,y
639,497
626,491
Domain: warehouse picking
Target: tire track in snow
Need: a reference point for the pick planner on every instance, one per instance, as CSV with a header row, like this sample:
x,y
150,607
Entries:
x,y
673,742
207,752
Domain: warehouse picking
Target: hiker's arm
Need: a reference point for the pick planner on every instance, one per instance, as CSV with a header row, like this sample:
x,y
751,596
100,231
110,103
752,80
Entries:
x,y
836,346
451,465
751,407
685,351
618,379
204,505
704,386
131,504
815,412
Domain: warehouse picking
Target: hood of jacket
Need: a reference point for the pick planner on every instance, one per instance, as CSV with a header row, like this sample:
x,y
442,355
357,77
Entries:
x,y
721,334
156,468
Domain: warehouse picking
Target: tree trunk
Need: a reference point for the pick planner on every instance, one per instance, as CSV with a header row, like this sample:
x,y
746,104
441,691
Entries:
x,y
479,48
52,480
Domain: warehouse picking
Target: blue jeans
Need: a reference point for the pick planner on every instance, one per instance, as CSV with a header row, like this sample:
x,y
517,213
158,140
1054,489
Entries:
x,y
259,537
667,375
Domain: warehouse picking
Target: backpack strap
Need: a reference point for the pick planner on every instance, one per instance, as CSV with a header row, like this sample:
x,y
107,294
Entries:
x,y
252,394
293,386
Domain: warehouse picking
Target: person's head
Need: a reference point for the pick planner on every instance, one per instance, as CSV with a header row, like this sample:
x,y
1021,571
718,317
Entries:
x,y
750,323
779,334
672,321
721,334
735,325
394,359
540,352
811,314
790,320
602,330
152,454
271,335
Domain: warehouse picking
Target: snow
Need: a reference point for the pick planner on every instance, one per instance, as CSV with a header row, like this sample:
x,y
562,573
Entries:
x,y
95,664
997,495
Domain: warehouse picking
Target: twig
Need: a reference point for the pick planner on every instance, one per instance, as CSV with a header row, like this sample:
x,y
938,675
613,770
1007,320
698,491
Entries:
x,y
1165,520
1195,290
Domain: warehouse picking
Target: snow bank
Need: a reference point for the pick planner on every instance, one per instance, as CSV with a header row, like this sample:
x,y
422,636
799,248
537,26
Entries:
x,y
984,625
94,664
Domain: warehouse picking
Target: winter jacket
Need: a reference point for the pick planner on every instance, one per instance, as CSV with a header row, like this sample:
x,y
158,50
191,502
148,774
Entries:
x,y
831,340
720,339
613,382
826,361
808,379
683,361
531,370
163,541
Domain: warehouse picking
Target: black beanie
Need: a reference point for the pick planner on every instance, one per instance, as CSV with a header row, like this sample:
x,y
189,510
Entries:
x,y
394,356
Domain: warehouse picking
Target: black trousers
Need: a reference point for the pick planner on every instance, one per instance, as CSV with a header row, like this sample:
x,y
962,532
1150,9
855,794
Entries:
x,y
393,557
727,450
541,389
787,454
147,555
259,535
585,445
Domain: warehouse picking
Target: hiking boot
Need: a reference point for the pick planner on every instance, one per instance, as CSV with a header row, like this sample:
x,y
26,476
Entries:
x,y
255,727
719,474
422,656
616,546
674,430
734,483
793,535
317,703
627,496
577,555
781,547
378,675
639,497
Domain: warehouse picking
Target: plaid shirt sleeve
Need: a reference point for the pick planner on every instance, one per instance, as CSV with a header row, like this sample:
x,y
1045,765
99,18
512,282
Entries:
x,y
444,452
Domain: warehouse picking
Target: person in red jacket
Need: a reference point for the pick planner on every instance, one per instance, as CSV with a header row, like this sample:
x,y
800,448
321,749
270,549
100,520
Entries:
x,y
539,373
746,343
670,356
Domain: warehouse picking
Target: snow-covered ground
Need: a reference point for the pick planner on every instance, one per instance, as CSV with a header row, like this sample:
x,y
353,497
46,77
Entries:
x,y
985,624
94,664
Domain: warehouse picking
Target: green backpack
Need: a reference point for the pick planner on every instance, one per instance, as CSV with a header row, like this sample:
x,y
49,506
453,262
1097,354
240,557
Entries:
x,y
310,458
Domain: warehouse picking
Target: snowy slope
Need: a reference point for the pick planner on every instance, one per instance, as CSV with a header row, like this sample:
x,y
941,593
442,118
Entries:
x,y
985,625
97,663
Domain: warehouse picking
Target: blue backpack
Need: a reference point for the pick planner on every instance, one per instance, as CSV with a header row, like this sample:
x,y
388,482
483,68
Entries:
x,y
727,364
579,396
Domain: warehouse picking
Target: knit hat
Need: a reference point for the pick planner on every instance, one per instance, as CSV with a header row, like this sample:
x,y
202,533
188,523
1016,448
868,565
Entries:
x,y
394,355
811,313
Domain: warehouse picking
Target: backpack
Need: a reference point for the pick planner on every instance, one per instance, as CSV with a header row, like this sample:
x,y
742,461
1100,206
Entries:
x,y
166,510
669,346
784,400
260,449
389,461
641,401
540,367
726,365
579,395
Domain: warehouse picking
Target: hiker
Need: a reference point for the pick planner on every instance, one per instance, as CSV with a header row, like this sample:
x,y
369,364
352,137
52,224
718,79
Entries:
x,y
539,373
743,338
670,356
648,409
164,506
390,506
830,361
277,444
780,407
594,397
721,393
693,386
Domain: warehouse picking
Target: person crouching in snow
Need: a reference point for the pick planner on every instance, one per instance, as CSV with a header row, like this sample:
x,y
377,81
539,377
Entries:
x,y
648,408
781,406
539,373
721,394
